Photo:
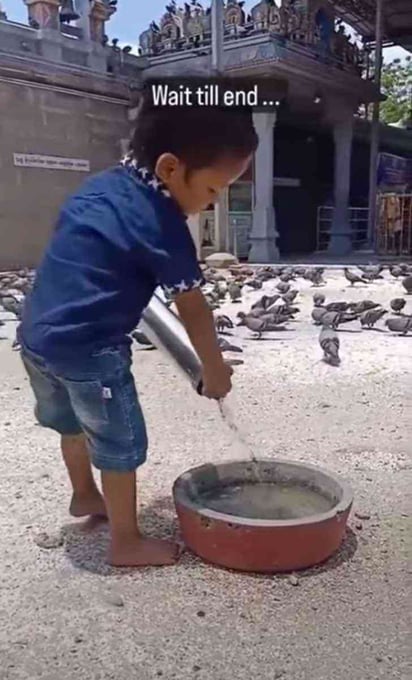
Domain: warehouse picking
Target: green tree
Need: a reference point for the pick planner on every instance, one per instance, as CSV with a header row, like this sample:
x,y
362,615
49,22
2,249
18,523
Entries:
x,y
397,86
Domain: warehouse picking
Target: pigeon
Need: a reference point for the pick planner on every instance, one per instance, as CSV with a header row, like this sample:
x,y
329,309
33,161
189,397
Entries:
x,y
318,299
362,306
371,276
254,283
372,271
275,318
286,276
335,319
290,296
399,324
283,287
315,276
225,346
329,342
331,319
283,308
395,270
235,291
142,339
220,289
222,321
352,277
257,326
397,305
265,302
371,316
12,305
338,306
317,314
407,284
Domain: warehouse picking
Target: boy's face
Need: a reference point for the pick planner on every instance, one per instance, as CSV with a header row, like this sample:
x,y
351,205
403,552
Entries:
x,y
194,191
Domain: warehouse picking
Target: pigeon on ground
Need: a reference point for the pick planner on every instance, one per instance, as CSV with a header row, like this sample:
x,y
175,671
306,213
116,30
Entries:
x,y
265,302
317,314
397,305
372,272
286,276
220,290
338,306
226,346
362,306
407,284
335,319
371,276
315,276
264,275
235,292
318,299
254,283
329,342
142,339
257,326
222,321
371,316
352,277
399,324
283,287
395,270
12,305
290,296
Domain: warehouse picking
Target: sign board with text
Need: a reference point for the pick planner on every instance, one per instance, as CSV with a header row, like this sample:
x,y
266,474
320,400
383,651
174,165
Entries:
x,y
34,160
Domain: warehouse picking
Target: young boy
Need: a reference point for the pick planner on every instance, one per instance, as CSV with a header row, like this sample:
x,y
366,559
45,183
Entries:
x,y
123,233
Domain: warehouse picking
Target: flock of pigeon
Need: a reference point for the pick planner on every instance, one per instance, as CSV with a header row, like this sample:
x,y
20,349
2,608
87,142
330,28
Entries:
x,y
273,312
270,313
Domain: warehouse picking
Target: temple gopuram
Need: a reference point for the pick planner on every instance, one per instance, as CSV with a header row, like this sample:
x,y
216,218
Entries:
x,y
308,188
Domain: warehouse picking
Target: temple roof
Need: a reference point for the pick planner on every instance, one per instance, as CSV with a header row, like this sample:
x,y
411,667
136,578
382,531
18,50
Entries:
x,y
361,14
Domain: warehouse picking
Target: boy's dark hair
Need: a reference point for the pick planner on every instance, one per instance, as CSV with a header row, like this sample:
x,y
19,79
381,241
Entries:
x,y
198,136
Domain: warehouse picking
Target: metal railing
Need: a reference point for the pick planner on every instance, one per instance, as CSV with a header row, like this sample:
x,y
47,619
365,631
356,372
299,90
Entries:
x,y
358,221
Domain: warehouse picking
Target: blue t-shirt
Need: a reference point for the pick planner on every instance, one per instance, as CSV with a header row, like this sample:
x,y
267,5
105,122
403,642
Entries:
x,y
116,239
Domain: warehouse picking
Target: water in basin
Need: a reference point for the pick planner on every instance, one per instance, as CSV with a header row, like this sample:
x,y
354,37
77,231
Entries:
x,y
266,500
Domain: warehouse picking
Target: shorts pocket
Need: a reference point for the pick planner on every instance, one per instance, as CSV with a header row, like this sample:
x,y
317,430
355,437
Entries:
x,y
89,401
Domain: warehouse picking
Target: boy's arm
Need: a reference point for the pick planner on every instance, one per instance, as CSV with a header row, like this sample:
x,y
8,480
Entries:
x,y
199,323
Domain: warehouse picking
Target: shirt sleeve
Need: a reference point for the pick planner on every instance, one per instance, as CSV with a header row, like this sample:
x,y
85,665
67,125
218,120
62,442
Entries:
x,y
180,270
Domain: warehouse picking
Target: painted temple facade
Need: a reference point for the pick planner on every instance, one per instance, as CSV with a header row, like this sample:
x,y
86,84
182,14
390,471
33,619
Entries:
x,y
312,154
69,97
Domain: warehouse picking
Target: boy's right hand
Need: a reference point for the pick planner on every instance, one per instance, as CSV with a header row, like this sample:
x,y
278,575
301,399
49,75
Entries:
x,y
216,382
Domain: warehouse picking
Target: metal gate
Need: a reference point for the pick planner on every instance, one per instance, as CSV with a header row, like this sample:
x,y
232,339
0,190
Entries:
x,y
394,225
358,220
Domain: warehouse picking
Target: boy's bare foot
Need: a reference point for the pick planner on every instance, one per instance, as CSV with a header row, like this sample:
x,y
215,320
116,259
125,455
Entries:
x,y
88,504
144,552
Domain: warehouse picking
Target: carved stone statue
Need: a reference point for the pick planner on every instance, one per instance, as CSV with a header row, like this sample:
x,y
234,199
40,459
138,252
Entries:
x,y
234,15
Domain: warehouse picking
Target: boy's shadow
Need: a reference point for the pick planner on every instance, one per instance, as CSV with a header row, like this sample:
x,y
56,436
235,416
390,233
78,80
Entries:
x,y
86,543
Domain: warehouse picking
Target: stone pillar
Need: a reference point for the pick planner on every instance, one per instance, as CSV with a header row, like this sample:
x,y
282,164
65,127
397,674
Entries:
x,y
341,237
193,223
264,235
83,22
44,12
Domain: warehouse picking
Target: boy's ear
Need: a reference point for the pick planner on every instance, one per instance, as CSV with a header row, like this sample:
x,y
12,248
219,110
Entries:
x,y
166,166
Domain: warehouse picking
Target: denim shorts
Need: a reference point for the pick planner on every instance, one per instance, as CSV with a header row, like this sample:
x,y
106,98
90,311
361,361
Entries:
x,y
95,395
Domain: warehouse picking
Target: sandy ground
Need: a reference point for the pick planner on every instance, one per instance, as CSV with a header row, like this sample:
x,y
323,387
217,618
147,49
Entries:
x,y
65,615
